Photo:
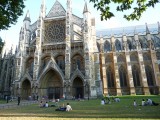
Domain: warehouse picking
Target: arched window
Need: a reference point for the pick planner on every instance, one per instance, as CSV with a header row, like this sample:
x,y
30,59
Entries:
x,y
60,60
146,56
107,46
143,42
120,58
135,74
156,41
77,61
118,45
110,78
149,74
133,57
123,77
108,59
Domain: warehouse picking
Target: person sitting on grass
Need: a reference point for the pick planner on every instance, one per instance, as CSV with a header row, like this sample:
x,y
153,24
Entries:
x,y
103,102
62,108
46,105
135,103
68,107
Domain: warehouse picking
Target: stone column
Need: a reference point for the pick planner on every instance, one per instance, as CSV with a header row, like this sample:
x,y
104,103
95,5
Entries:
x,y
143,72
117,79
129,67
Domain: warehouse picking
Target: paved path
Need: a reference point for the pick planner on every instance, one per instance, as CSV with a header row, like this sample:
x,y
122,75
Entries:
x,y
14,104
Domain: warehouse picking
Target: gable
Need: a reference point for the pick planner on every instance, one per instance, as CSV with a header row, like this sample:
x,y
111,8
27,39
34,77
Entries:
x,y
57,10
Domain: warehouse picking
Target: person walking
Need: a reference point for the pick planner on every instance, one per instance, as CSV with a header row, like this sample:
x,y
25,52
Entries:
x,y
19,99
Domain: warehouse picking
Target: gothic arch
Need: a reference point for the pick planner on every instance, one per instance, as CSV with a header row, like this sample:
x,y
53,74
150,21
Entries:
x,y
77,61
107,46
136,76
123,76
118,45
51,84
60,60
121,58
25,89
133,57
108,59
146,57
78,87
110,77
149,75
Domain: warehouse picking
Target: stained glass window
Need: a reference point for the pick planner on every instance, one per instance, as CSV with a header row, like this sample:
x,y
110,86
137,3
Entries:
x,y
118,45
122,76
110,78
107,46
149,74
135,74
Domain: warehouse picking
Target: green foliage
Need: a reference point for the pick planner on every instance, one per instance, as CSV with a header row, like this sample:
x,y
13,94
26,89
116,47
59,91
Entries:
x,y
1,45
122,5
10,10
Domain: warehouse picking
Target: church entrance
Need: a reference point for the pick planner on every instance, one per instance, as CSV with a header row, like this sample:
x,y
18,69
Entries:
x,y
51,85
78,88
26,89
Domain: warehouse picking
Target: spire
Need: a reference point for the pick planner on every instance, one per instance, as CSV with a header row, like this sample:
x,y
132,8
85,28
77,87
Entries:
x,y
43,8
85,8
158,27
27,17
147,30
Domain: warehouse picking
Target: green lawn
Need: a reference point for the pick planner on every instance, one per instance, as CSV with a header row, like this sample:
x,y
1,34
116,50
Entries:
x,y
87,110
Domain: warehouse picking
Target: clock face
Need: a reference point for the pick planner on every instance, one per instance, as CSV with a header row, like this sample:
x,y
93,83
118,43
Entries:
x,y
55,32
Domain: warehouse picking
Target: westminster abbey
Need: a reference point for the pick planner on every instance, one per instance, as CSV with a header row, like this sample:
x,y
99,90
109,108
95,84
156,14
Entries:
x,y
62,56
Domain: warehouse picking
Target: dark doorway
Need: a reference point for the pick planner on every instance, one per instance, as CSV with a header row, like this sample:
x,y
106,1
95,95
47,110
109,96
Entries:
x,y
26,89
78,89
54,92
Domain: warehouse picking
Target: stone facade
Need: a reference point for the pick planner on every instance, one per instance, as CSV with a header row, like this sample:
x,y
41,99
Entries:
x,y
62,55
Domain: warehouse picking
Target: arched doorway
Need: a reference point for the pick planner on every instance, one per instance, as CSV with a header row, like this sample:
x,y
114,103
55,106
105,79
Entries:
x,y
51,85
26,89
78,88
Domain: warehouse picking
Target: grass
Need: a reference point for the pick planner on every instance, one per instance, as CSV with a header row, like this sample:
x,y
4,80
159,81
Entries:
x,y
88,110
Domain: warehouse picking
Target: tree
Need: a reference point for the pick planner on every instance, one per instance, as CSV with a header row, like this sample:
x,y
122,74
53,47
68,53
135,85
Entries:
x,y
1,45
124,5
10,10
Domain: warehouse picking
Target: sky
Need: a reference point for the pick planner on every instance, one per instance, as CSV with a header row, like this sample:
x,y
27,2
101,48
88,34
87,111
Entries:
x,y
11,36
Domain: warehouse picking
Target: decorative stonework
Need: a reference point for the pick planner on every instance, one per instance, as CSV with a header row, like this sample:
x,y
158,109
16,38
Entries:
x,y
56,11
55,32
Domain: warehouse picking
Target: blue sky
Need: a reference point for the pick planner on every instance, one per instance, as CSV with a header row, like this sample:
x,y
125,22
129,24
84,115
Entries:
x,y
151,16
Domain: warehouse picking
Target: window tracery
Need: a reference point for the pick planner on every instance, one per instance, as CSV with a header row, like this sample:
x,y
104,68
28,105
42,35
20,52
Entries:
x,y
107,46
133,57
77,62
120,58
55,32
149,75
118,45
110,78
136,76
122,76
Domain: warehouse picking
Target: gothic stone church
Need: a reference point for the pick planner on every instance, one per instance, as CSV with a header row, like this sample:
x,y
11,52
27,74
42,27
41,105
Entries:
x,y
62,55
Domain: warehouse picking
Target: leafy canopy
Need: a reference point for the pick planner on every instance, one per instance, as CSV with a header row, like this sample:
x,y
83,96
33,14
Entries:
x,y
10,10
122,5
